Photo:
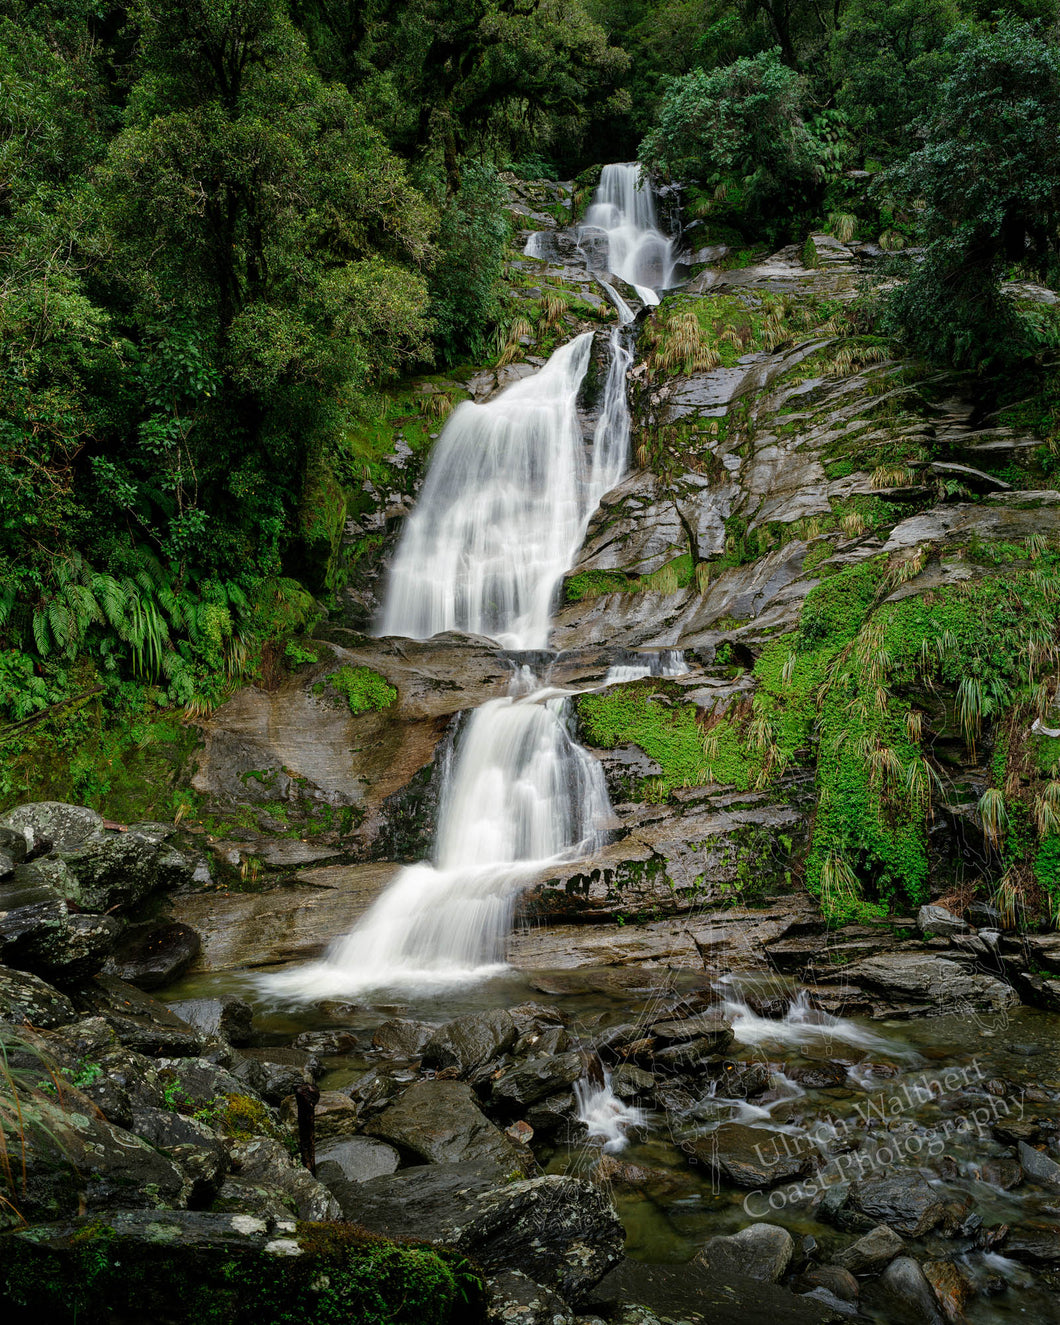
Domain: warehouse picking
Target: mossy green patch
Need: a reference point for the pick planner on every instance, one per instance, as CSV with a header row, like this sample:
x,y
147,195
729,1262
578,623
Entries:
x,y
362,688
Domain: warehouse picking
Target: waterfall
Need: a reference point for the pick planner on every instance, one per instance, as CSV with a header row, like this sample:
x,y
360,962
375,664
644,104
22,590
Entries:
x,y
500,518
522,796
638,251
502,512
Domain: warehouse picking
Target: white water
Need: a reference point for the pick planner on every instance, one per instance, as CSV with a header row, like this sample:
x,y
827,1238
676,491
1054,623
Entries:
x,y
502,512
606,1117
522,795
803,1025
639,252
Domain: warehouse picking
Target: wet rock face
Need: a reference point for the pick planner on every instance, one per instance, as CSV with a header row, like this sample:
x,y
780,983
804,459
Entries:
x,y
439,1122
762,1251
904,1202
153,955
469,1043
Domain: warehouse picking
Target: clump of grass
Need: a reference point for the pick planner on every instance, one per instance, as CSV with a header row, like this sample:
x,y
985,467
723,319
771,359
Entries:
x,y
842,225
993,814
436,405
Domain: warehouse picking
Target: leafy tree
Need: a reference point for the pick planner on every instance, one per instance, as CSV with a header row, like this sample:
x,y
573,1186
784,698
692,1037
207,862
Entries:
x,y
472,76
889,62
740,127
989,179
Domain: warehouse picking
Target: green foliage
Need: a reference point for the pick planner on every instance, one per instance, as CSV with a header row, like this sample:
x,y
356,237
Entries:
x,y
362,688
466,281
741,128
889,62
989,178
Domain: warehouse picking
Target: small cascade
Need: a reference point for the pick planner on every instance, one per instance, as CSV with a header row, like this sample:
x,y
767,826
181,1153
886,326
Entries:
x,y
521,795
624,209
669,662
607,1118
802,1025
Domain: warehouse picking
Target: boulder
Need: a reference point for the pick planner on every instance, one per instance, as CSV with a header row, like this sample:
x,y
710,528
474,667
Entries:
x,y
39,933
469,1043
140,1022
762,1251
192,1145
833,1279
53,826
283,1070
265,1161
71,1160
334,1115
536,1079
952,1288
561,1232
226,1017
355,1159
440,1122
902,1201
904,1280
937,920
871,1253
750,1157
401,1037
154,954
26,999
919,981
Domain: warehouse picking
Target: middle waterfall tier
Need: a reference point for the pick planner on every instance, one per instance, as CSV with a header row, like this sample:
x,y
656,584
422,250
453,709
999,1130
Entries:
x,y
520,795
504,506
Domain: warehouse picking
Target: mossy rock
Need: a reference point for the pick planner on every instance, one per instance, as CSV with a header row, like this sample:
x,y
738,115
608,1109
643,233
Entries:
x,y
180,1266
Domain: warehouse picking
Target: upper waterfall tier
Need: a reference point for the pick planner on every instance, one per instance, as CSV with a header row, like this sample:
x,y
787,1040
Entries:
x,y
638,251
504,507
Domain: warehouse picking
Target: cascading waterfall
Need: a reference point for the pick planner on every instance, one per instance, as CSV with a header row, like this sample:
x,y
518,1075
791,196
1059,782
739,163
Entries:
x,y
522,794
501,515
638,251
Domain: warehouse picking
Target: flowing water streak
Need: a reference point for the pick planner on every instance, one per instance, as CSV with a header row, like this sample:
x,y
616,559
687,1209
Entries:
x,y
500,518
522,795
501,513
624,208
606,1117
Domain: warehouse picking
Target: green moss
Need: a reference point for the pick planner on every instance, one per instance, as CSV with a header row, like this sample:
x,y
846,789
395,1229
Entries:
x,y
341,1274
362,688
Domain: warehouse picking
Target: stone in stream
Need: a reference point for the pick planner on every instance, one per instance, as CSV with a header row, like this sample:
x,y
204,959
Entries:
x,y
402,1037
952,1288
712,1028
903,1201
871,1253
228,1017
355,1159
905,1280
561,1232
834,1279
139,1021
750,1157
720,1295
916,981
154,954
689,1055
440,1123
553,1113
1038,1167
1003,1172
762,1251
469,1043
1035,1241
536,1079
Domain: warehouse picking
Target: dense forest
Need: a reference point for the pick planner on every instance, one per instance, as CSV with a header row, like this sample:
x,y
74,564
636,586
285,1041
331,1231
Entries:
x,y
225,225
